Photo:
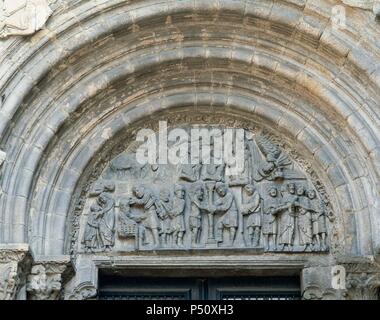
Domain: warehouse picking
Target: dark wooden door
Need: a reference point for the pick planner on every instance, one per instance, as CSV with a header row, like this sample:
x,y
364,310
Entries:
x,y
232,288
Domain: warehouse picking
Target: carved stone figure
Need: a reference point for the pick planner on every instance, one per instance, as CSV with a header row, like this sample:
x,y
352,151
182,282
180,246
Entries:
x,y
199,205
13,259
99,234
107,221
226,204
91,237
143,197
8,281
2,158
178,215
251,208
304,219
22,17
287,214
263,206
276,160
269,223
319,228
164,209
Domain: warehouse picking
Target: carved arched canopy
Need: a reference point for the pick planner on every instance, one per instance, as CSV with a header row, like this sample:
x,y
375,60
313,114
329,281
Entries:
x,y
97,73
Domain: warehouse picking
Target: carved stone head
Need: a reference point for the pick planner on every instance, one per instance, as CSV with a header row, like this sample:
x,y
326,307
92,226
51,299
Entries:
x,y
179,191
139,191
292,188
103,199
300,190
268,167
249,189
221,189
273,192
311,194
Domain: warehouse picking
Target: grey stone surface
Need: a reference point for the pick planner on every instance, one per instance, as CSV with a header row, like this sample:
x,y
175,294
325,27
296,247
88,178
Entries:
x,y
23,17
201,206
73,94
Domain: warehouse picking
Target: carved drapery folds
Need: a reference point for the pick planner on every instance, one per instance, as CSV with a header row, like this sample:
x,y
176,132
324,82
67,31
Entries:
x,y
22,17
270,205
11,258
45,280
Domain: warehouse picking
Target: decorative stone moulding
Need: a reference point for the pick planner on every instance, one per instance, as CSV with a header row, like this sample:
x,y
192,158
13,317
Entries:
x,y
72,99
22,17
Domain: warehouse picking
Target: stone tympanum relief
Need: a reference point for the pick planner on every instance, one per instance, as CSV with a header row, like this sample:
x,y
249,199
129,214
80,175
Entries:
x,y
270,205
22,17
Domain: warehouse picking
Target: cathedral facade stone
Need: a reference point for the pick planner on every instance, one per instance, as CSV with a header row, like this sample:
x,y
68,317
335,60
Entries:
x,y
294,85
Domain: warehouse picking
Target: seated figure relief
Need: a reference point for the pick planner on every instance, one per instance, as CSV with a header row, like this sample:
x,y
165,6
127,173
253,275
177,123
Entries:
x,y
271,206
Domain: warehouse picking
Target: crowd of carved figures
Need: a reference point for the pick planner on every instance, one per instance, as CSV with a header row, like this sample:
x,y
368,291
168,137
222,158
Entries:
x,y
270,205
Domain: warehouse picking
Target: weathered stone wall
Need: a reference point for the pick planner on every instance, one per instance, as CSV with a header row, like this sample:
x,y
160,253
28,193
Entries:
x,y
70,91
